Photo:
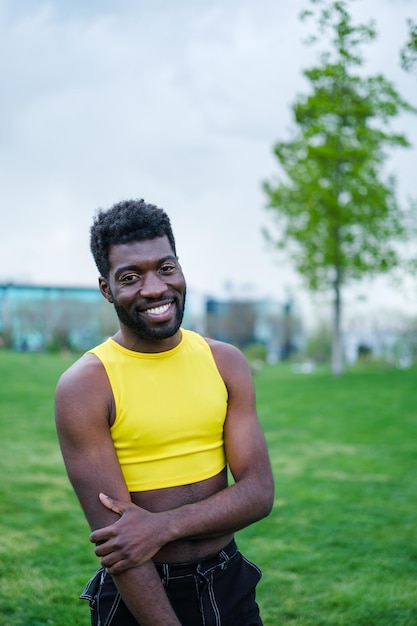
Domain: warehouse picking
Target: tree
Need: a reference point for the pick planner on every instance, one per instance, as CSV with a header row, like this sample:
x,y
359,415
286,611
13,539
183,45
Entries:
x,y
333,211
408,57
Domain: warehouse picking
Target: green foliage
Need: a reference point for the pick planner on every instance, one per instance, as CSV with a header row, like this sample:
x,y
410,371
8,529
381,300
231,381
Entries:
x,y
409,51
333,209
343,453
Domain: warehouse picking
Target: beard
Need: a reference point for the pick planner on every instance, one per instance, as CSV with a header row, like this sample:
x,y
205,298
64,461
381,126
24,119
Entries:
x,y
143,329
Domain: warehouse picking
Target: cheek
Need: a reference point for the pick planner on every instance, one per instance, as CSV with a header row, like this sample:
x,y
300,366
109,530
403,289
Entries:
x,y
126,293
181,284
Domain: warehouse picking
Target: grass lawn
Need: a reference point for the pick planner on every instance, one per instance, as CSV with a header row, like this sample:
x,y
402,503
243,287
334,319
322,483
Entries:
x,y
339,549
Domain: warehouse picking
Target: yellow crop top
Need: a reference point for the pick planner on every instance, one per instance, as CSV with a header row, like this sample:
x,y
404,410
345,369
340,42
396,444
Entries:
x,y
170,411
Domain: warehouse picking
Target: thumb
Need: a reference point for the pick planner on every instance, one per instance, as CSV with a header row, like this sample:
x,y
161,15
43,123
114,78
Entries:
x,y
118,506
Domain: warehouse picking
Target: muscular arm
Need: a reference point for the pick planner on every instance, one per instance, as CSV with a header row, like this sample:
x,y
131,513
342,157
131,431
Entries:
x,y
83,407
251,496
249,499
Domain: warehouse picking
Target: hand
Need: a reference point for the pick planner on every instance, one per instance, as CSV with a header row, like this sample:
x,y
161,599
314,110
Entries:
x,y
130,541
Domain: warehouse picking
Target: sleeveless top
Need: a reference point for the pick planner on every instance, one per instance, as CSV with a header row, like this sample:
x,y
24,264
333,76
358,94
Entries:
x,y
170,412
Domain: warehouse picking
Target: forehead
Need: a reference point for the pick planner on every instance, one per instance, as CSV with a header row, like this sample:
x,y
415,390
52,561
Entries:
x,y
140,252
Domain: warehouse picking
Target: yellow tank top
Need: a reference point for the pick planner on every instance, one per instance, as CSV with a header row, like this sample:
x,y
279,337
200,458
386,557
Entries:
x,y
170,411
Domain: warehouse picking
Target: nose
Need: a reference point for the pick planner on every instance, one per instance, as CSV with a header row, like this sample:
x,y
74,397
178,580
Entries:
x,y
152,286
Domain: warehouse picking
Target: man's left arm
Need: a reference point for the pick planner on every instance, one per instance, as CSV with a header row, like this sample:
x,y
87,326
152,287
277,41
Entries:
x,y
248,500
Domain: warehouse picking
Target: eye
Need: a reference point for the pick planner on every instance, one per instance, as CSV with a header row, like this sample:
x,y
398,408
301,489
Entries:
x,y
129,278
168,268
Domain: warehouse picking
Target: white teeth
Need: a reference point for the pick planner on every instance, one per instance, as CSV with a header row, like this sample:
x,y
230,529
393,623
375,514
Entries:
x,y
158,309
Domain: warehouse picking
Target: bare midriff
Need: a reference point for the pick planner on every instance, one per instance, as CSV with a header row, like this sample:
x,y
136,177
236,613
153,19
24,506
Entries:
x,y
190,549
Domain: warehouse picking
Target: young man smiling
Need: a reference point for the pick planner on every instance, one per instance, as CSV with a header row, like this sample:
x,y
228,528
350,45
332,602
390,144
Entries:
x,y
149,424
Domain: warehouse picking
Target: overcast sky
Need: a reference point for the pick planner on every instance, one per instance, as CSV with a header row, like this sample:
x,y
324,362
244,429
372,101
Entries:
x,y
176,102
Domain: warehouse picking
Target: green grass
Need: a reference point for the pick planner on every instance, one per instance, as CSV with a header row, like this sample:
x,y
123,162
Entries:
x,y
339,549
44,548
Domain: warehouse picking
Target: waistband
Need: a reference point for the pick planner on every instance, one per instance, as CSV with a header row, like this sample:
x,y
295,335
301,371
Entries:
x,y
202,565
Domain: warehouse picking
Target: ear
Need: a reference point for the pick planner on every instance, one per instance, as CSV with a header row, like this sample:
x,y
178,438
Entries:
x,y
105,289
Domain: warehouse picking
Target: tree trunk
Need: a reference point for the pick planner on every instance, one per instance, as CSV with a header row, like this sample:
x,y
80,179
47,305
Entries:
x,y
337,348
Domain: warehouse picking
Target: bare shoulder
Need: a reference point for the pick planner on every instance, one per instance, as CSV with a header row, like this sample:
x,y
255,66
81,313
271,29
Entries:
x,y
85,371
230,361
84,385
223,351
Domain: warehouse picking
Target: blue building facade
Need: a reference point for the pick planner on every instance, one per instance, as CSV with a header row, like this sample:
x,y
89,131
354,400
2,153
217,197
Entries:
x,y
50,317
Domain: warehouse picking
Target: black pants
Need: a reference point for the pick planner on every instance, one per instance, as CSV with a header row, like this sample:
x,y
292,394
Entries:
x,y
216,591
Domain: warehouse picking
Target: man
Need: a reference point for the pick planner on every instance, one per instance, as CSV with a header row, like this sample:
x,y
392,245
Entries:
x,y
149,422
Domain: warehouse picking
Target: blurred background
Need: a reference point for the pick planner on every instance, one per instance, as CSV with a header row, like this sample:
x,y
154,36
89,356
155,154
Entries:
x,y
181,104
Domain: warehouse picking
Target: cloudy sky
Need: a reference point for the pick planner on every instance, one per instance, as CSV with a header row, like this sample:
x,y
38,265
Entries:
x,y
176,102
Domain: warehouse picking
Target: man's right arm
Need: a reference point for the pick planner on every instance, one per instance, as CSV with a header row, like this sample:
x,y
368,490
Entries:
x,y
83,405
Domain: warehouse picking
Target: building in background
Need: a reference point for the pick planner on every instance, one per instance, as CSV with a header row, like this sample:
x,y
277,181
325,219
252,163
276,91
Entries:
x,y
36,318
275,325
53,318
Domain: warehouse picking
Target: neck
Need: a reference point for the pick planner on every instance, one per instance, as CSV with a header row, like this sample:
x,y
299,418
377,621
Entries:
x,y
129,340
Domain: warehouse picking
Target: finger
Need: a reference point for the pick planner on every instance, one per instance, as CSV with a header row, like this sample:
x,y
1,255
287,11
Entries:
x,y
119,566
116,561
120,561
114,505
103,549
101,535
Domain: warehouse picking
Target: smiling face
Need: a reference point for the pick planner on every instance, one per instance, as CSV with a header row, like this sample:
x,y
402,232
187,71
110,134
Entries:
x,y
147,288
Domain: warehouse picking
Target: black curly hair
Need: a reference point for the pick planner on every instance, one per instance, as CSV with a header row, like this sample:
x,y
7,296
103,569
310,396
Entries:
x,y
124,222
